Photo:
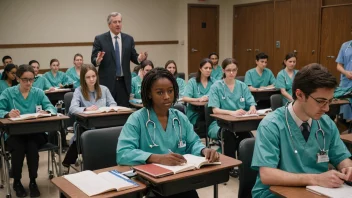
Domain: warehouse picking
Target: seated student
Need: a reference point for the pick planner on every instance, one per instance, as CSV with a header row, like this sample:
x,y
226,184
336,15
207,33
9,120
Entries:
x,y
39,82
8,78
139,144
135,71
285,78
217,72
171,66
14,101
5,61
197,89
88,97
294,144
74,72
145,67
260,76
55,77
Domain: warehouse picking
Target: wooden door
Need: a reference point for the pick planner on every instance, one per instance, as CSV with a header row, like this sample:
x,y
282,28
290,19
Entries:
x,y
203,33
336,27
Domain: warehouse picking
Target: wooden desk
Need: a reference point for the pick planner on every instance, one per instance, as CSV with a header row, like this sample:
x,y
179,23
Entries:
x,y
334,107
346,138
69,190
293,192
235,124
40,125
264,94
57,94
190,180
138,106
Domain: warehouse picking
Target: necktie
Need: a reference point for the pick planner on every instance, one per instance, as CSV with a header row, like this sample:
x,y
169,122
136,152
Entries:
x,y
305,130
117,53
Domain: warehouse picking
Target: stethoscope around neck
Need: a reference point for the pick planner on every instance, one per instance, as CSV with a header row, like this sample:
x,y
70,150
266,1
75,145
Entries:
x,y
320,130
153,144
224,92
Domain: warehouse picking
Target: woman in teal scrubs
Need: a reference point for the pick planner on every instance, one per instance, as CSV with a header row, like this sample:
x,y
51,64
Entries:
x,y
55,77
15,101
231,97
74,72
8,78
285,78
197,89
39,81
172,67
146,66
158,133
217,72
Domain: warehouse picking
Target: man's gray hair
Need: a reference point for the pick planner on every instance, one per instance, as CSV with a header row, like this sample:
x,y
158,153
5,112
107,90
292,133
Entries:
x,y
113,14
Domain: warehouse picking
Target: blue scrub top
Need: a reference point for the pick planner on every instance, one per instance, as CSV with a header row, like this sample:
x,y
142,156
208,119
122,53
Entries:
x,y
133,147
71,72
181,86
252,78
284,81
3,85
136,87
41,83
274,147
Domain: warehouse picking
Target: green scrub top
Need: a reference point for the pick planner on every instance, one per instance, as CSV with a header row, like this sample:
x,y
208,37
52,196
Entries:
x,y
195,90
134,148
217,73
12,98
181,86
3,85
60,78
221,97
133,74
252,78
136,87
41,83
274,148
283,80
71,72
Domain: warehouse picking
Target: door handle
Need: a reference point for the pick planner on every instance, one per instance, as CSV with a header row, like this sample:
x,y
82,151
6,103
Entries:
x,y
331,56
294,51
194,50
249,50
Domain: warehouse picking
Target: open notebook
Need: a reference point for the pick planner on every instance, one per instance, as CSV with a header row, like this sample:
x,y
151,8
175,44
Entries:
x,y
30,116
94,184
159,170
108,109
344,191
259,112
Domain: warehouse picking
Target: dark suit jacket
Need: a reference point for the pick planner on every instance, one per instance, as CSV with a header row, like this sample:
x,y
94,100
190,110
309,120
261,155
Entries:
x,y
107,68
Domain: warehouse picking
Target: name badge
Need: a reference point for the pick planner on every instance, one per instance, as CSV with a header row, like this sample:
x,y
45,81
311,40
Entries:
x,y
38,108
322,156
241,99
181,144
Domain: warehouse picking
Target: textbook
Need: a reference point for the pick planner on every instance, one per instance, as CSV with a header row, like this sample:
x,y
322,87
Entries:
x,y
159,170
259,113
94,184
31,116
109,109
342,192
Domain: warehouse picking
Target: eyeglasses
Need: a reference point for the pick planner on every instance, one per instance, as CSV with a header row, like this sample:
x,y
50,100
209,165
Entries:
x,y
26,80
322,102
231,70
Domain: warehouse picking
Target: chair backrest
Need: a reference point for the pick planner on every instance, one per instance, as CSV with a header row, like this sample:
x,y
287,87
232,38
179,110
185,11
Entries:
x,y
67,101
191,75
240,78
208,118
276,101
247,176
181,107
99,147
181,75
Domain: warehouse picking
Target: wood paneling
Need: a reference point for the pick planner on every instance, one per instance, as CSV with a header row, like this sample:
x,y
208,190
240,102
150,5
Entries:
x,y
336,2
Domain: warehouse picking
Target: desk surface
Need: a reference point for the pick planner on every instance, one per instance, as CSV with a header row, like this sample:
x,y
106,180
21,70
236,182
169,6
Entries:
x,y
198,103
72,191
346,138
266,90
293,192
230,118
57,91
226,163
6,121
113,113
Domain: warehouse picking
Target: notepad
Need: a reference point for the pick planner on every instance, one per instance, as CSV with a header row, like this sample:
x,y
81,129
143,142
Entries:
x,y
159,170
136,101
247,115
109,109
264,111
94,184
30,116
58,89
344,191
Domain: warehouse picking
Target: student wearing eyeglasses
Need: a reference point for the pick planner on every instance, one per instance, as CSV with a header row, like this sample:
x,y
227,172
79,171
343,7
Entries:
x,y
8,78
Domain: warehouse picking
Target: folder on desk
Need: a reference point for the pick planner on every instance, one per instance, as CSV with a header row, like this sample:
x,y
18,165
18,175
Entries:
x,y
341,192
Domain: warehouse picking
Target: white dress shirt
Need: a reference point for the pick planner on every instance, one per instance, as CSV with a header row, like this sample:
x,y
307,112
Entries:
x,y
296,119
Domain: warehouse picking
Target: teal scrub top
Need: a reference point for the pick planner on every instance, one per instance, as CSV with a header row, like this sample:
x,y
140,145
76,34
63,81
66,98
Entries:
x,y
252,78
181,86
41,83
221,97
217,73
60,78
3,85
274,148
195,90
133,147
12,98
136,87
71,72
133,74
283,80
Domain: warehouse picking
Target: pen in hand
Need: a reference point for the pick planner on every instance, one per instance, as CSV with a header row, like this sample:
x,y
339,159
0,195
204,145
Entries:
x,y
170,151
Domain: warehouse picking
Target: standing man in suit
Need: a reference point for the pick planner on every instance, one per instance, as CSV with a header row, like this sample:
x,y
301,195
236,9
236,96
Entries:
x,y
112,52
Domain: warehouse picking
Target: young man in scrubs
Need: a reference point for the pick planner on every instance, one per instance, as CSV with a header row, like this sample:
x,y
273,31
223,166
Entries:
x,y
289,146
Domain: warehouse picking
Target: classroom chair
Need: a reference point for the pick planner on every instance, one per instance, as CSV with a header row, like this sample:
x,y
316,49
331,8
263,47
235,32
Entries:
x,y
276,101
181,75
208,121
191,75
181,107
240,78
52,149
67,101
247,176
99,147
